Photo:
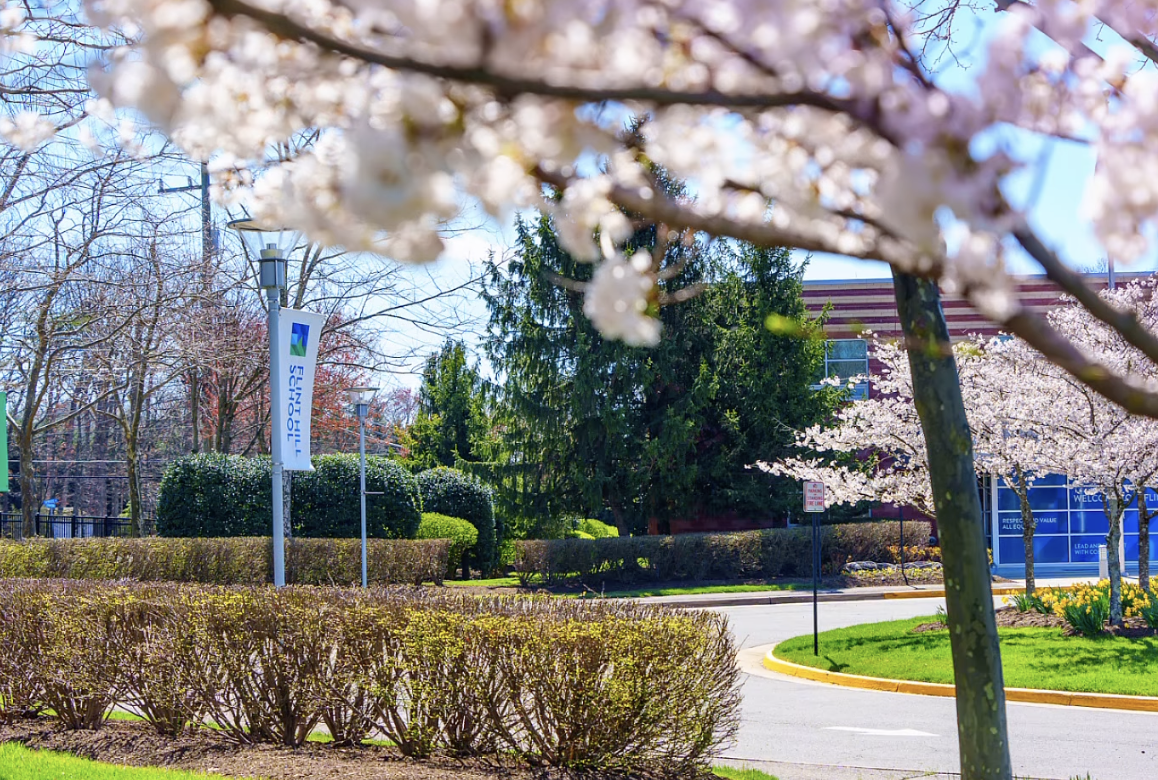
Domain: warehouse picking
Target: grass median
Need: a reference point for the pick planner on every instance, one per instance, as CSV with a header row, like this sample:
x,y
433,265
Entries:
x,y
1041,658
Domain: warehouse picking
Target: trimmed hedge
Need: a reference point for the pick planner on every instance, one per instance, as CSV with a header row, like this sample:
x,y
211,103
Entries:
x,y
781,552
230,495
461,534
227,561
602,686
448,491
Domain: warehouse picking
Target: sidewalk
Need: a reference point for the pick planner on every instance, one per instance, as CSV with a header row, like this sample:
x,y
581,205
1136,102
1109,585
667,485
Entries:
x,y
761,598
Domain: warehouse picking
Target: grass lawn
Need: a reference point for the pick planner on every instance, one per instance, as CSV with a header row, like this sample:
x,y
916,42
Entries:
x,y
513,582
1031,657
19,763
496,582
741,774
642,592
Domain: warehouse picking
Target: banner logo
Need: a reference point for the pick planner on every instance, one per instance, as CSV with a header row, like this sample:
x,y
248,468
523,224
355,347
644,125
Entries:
x,y
299,337
299,357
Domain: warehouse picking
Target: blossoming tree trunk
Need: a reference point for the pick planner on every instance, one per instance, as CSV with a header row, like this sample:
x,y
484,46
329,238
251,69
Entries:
x,y
1113,506
1144,518
981,727
1028,526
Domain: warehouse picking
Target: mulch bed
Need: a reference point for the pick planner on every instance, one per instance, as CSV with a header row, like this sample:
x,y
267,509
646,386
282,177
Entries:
x,y
204,750
1009,617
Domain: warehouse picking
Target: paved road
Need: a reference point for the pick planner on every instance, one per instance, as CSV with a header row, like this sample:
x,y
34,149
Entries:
x,y
794,723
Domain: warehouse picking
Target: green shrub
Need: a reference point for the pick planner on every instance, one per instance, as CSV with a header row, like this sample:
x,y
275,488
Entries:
x,y
615,686
589,528
461,534
228,561
215,495
447,491
231,495
780,552
325,501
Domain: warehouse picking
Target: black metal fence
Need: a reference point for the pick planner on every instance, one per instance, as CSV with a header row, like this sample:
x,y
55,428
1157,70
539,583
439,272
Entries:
x,y
62,526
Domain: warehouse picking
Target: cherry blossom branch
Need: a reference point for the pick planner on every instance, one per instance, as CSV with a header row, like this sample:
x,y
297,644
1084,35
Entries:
x,y
1061,351
1124,322
285,27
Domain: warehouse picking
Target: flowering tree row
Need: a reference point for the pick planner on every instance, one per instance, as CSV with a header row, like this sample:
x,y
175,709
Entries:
x,y
1028,419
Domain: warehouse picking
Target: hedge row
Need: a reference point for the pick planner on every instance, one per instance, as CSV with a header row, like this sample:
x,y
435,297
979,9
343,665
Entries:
x,y
782,552
558,682
215,495
229,561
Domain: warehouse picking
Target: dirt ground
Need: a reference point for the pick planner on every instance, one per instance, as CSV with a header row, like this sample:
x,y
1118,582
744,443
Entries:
x,y
204,750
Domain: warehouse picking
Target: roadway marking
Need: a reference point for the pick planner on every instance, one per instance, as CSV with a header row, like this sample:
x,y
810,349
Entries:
x,y
881,732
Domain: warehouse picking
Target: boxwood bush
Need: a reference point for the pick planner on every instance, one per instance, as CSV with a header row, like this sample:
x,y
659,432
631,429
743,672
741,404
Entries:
x,y
448,491
780,552
226,561
230,495
633,690
461,535
590,528
215,495
325,501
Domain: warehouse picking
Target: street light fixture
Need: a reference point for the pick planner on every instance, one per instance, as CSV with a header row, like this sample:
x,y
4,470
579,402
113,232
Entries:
x,y
270,246
360,399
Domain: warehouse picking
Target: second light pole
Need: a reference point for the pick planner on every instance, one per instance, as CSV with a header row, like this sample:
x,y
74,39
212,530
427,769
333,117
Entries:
x,y
360,399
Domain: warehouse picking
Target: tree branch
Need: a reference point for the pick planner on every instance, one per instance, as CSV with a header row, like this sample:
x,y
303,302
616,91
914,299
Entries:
x,y
285,27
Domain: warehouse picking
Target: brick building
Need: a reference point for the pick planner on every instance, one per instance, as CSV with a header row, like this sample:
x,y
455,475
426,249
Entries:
x,y
1070,524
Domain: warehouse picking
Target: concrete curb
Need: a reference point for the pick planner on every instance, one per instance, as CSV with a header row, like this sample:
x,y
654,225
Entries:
x,y
1106,701
799,597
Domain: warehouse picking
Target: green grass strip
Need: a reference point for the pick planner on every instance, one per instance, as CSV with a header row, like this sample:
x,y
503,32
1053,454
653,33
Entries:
x,y
19,763
744,773
694,589
496,582
1041,658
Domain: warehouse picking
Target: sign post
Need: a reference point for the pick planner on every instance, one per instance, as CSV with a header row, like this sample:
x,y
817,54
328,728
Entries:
x,y
814,504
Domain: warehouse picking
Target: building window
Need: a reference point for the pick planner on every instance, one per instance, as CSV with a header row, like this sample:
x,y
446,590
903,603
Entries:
x,y
845,359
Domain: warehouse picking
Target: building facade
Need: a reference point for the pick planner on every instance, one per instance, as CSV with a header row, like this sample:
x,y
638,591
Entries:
x,y
1070,522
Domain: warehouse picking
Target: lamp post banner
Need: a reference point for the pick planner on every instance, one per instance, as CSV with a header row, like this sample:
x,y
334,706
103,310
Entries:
x,y
298,334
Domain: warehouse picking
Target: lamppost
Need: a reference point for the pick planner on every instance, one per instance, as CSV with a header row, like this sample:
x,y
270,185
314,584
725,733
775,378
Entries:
x,y
360,398
270,246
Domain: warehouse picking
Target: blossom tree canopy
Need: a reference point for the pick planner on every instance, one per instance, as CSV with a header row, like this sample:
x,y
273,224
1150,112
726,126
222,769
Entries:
x,y
812,124
884,429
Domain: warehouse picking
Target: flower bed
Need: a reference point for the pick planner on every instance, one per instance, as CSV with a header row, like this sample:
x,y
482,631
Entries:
x,y
562,683
1086,607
